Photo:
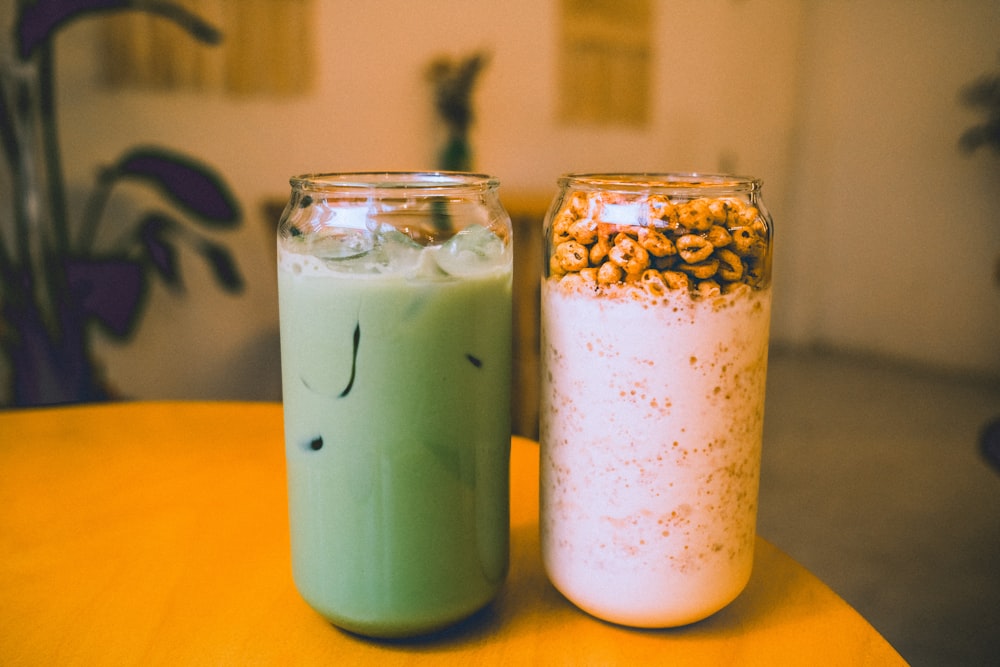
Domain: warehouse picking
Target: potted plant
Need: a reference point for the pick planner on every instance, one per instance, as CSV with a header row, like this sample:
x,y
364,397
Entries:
x,y
59,281
453,82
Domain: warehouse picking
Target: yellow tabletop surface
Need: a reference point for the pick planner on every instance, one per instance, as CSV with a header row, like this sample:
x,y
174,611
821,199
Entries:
x,y
157,534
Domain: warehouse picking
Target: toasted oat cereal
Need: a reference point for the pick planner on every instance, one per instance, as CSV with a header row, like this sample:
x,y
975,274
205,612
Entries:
x,y
702,245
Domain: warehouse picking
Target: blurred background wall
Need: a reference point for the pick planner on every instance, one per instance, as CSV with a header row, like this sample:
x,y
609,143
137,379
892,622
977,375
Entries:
x,y
887,235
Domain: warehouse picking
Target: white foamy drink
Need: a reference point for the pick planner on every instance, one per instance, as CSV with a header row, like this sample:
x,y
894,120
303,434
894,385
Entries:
x,y
654,352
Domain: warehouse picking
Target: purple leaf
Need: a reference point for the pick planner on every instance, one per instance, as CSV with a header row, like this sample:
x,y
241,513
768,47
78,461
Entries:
x,y
38,21
223,266
161,253
190,183
109,290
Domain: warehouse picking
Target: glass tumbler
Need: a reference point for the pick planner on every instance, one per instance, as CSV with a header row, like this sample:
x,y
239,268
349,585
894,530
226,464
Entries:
x,y
395,319
655,315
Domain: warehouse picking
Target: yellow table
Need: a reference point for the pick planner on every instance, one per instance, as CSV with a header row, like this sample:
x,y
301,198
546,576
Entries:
x,y
156,534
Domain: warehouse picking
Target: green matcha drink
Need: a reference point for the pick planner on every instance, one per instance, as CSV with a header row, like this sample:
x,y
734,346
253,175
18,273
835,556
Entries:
x,y
395,315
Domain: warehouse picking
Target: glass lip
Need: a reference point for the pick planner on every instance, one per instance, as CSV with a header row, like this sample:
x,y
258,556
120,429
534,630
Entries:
x,y
409,182
649,182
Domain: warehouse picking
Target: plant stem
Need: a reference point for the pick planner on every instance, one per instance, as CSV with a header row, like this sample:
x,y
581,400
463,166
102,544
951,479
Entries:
x,y
25,176
8,137
94,209
50,146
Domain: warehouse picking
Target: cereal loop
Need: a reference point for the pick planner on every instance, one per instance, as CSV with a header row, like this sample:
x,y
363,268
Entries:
x,y
695,215
572,256
693,248
656,243
628,254
609,274
703,246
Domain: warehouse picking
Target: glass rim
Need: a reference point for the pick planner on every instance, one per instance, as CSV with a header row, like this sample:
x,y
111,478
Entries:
x,y
679,182
396,181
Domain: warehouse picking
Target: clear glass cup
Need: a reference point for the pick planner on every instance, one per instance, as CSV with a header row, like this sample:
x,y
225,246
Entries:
x,y
655,316
395,320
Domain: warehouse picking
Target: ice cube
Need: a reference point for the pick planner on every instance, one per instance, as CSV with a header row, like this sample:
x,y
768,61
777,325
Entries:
x,y
472,251
335,244
397,252
427,267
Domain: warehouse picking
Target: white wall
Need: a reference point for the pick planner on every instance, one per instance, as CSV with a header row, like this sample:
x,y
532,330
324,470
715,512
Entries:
x,y
890,237
846,109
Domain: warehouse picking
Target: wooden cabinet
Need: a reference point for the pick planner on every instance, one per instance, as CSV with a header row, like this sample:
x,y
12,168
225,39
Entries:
x,y
527,214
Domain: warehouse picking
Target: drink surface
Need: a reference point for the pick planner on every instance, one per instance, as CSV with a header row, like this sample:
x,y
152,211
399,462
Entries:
x,y
651,457
396,380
